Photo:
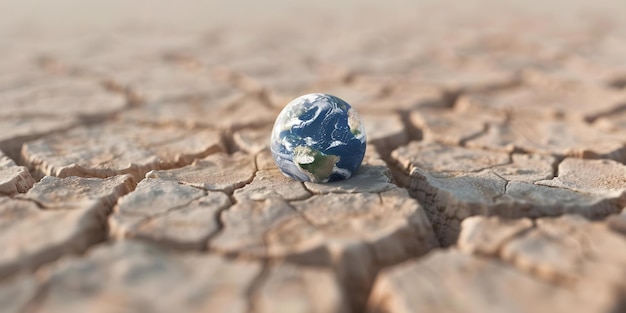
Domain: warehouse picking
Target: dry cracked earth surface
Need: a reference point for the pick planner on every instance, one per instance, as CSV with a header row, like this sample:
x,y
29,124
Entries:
x,y
135,174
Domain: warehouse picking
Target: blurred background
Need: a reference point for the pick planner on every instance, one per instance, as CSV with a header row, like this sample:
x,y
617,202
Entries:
x,y
280,43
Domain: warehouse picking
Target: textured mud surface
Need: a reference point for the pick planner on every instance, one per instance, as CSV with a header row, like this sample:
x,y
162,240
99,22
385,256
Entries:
x,y
135,172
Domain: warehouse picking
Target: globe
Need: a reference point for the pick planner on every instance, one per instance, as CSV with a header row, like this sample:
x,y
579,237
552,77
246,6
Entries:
x,y
319,138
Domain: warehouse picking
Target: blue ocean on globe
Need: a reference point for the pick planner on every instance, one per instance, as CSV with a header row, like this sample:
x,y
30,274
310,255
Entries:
x,y
319,138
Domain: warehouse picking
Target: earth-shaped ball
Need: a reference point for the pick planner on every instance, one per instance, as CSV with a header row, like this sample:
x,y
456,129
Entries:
x,y
318,138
